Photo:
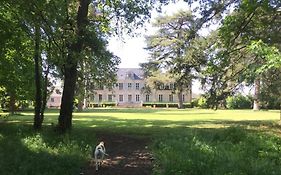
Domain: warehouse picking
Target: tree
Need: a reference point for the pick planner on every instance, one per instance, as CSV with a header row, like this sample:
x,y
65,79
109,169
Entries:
x,y
104,17
232,62
16,74
172,48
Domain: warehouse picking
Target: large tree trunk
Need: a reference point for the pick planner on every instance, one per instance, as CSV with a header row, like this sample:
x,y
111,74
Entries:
x,y
256,105
38,98
70,75
180,103
70,68
12,103
44,98
80,104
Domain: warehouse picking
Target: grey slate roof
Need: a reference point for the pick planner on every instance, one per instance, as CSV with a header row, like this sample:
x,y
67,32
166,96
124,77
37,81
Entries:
x,y
130,73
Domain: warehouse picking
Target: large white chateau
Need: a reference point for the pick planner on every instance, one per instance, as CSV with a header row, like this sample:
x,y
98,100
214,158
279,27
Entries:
x,y
128,92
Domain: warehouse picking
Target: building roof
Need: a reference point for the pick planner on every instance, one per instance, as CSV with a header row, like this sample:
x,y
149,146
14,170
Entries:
x,y
129,73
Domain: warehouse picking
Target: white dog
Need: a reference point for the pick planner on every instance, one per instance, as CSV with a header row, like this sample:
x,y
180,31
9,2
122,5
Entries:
x,y
99,154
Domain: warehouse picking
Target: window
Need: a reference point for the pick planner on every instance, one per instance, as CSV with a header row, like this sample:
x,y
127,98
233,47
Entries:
x,y
129,98
183,98
137,97
52,100
171,86
129,85
92,97
137,86
58,91
160,99
121,98
161,87
109,97
100,97
120,86
147,98
100,87
171,99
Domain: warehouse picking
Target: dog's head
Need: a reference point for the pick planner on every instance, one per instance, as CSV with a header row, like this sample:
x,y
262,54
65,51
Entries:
x,y
101,143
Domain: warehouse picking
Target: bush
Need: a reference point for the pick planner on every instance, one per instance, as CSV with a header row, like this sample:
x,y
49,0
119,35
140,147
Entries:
x,y
164,105
202,103
238,102
229,151
102,104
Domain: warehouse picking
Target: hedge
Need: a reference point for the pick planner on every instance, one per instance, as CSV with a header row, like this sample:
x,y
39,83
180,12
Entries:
x,y
165,105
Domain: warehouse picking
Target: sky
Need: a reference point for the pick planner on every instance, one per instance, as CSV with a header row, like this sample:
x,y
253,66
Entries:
x,y
131,49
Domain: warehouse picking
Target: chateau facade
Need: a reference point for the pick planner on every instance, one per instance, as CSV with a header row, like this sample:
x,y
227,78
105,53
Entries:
x,y
127,92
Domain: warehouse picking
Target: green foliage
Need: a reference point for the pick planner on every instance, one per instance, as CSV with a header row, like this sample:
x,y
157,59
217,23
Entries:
x,y
166,105
170,49
28,152
183,140
102,104
251,24
239,102
270,54
202,103
222,151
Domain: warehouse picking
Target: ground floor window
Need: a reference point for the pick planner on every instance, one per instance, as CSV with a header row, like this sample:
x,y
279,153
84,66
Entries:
x,y
120,98
171,98
160,98
137,97
147,98
129,98
100,97
110,98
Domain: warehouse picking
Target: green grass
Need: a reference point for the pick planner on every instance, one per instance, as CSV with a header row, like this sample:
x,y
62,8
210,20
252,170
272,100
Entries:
x,y
190,141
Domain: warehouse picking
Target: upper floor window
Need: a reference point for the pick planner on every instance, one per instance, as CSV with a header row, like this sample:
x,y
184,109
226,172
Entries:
x,y
171,86
161,86
129,85
52,100
58,91
120,86
137,86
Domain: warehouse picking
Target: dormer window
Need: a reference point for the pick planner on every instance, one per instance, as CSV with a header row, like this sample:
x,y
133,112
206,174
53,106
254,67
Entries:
x,y
129,75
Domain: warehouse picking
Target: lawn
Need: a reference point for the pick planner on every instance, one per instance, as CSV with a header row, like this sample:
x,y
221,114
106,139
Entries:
x,y
189,141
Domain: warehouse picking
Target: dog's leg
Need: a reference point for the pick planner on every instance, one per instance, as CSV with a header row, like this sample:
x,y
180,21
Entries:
x,y
96,161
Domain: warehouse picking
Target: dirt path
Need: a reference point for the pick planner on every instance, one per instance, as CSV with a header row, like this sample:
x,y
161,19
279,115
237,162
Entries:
x,y
127,156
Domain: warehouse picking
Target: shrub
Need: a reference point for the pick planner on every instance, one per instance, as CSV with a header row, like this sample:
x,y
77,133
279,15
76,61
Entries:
x,y
232,151
164,105
202,102
238,102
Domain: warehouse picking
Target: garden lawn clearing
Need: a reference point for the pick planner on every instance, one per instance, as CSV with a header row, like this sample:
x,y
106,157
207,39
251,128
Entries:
x,y
145,141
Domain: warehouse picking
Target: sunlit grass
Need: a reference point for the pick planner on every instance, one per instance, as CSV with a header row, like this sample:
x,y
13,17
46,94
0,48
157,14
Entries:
x,y
192,139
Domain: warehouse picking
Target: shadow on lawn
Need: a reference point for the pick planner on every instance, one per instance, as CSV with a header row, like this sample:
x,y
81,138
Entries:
x,y
25,151
17,157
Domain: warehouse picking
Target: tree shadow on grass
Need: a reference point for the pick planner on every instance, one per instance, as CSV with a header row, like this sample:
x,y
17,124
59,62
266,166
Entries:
x,y
25,151
19,144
